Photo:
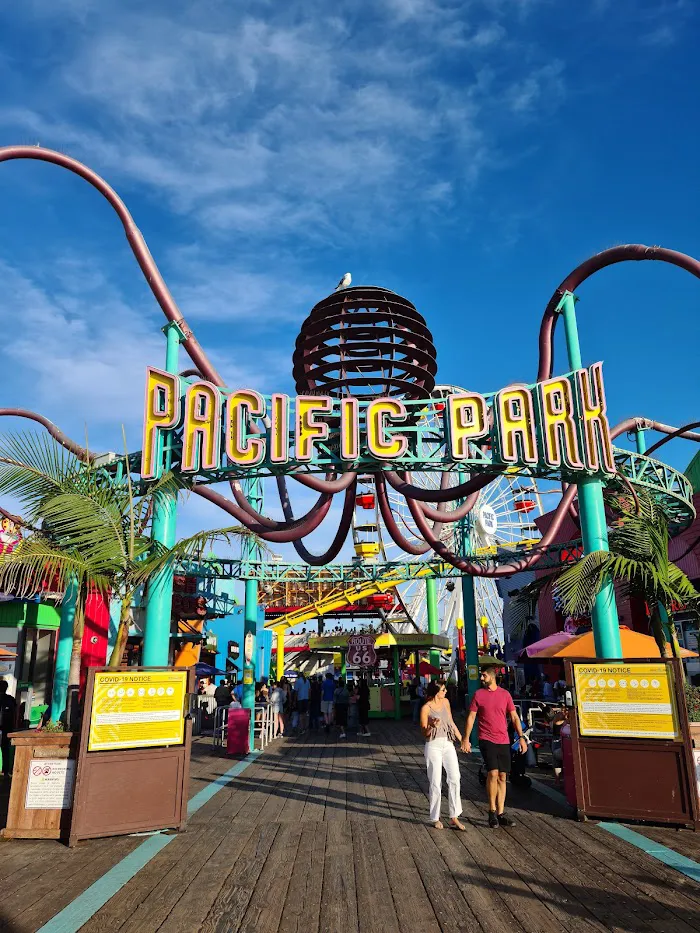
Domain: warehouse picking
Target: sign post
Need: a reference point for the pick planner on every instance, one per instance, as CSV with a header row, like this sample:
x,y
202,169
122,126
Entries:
x,y
133,760
631,743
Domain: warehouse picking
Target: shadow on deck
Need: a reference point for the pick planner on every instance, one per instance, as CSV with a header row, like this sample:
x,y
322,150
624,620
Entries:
x,y
319,835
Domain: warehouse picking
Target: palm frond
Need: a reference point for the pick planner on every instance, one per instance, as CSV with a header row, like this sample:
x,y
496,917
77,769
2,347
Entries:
x,y
190,548
580,583
33,468
36,564
90,525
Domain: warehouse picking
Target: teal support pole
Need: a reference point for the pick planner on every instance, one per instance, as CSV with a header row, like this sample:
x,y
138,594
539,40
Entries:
x,y
433,622
641,441
397,684
63,652
159,596
594,529
471,644
250,634
250,552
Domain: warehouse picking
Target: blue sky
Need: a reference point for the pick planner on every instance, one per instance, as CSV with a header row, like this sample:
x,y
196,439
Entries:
x,y
467,155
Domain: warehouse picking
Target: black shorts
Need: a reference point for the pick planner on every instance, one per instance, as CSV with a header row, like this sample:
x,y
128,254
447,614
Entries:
x,y
302,706
341,714
496,757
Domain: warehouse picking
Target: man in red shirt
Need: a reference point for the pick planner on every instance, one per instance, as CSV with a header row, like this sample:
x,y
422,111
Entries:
x,y
492,704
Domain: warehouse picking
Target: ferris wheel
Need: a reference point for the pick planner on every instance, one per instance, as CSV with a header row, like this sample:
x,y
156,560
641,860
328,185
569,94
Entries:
x,y
502,519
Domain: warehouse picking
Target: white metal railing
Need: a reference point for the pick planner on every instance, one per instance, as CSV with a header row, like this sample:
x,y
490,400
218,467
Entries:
x,y
263,729
263,725
202,708
220,725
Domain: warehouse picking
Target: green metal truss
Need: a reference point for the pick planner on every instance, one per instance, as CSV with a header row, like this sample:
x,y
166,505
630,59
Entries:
x,y
360,571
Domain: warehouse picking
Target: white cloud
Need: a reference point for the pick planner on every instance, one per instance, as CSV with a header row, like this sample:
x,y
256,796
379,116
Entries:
x,y
270,120
543,87
78,365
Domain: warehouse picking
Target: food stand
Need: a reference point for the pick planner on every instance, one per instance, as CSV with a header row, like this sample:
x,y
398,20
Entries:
x,y
385,676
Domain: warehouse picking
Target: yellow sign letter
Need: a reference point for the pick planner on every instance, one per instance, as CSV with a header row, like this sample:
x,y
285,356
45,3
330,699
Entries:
x,y
162,411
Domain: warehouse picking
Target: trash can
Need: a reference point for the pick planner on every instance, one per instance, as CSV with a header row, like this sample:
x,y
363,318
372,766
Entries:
x,y
567,756
238,737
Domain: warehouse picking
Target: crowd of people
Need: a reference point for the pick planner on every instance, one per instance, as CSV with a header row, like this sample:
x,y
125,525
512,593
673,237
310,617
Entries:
x,y
368,629
302,704
319,702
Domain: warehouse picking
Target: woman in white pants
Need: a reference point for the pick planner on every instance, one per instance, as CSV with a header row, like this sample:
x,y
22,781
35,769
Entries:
x,y
441,733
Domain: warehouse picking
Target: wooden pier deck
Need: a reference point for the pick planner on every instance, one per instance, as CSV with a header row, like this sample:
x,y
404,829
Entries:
x,y
319,836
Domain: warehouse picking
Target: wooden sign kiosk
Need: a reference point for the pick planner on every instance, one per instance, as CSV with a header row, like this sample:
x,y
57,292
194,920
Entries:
x,y
134,754
632,750
42,785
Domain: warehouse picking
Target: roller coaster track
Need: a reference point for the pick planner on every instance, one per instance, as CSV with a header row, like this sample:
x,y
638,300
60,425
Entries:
x,y
341,599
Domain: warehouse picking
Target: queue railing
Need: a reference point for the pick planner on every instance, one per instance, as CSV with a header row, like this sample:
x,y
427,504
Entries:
x,y
202,709
263,725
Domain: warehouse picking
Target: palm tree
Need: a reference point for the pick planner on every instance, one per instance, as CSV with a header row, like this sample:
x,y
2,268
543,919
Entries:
x,y
637,560
85,530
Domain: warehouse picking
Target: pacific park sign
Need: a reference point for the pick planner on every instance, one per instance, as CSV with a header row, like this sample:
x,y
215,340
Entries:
x,y
557,424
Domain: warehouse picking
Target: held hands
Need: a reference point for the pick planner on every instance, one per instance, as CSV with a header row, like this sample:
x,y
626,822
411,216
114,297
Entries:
x,y
466,745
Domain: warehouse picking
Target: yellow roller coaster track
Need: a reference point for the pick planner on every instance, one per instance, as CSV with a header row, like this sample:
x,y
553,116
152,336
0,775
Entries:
x,y
340,599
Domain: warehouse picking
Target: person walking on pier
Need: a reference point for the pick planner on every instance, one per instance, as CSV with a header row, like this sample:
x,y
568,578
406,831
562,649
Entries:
x,y
276,701
341,702
302,689
492,704
363,705
315,703
416,694
327,694
440,731
8,724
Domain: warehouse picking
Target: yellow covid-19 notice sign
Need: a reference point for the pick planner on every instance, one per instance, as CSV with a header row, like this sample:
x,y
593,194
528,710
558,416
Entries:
x,y
137,710
626,700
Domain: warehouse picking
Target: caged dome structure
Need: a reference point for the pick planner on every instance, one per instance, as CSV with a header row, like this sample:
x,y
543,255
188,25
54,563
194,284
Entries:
x,y
365,342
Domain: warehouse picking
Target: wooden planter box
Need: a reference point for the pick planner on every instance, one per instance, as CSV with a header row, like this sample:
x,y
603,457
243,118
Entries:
x,y
695,733
41,797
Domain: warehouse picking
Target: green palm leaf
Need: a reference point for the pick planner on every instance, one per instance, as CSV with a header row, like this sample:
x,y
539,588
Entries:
x,y
36,563
580,583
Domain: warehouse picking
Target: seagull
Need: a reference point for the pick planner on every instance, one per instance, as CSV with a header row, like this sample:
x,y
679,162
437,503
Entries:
x,y
344,282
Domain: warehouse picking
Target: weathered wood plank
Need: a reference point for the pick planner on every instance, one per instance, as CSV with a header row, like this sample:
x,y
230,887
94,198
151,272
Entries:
x,y
338,896
608,896
413,907
302,907
375,901
267,903
451,909
228,909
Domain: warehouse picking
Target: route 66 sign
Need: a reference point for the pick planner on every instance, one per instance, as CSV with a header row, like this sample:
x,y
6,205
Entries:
x,y
361,651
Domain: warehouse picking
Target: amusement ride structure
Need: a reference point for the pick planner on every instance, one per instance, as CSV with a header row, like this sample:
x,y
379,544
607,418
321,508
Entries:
x,y
440,486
